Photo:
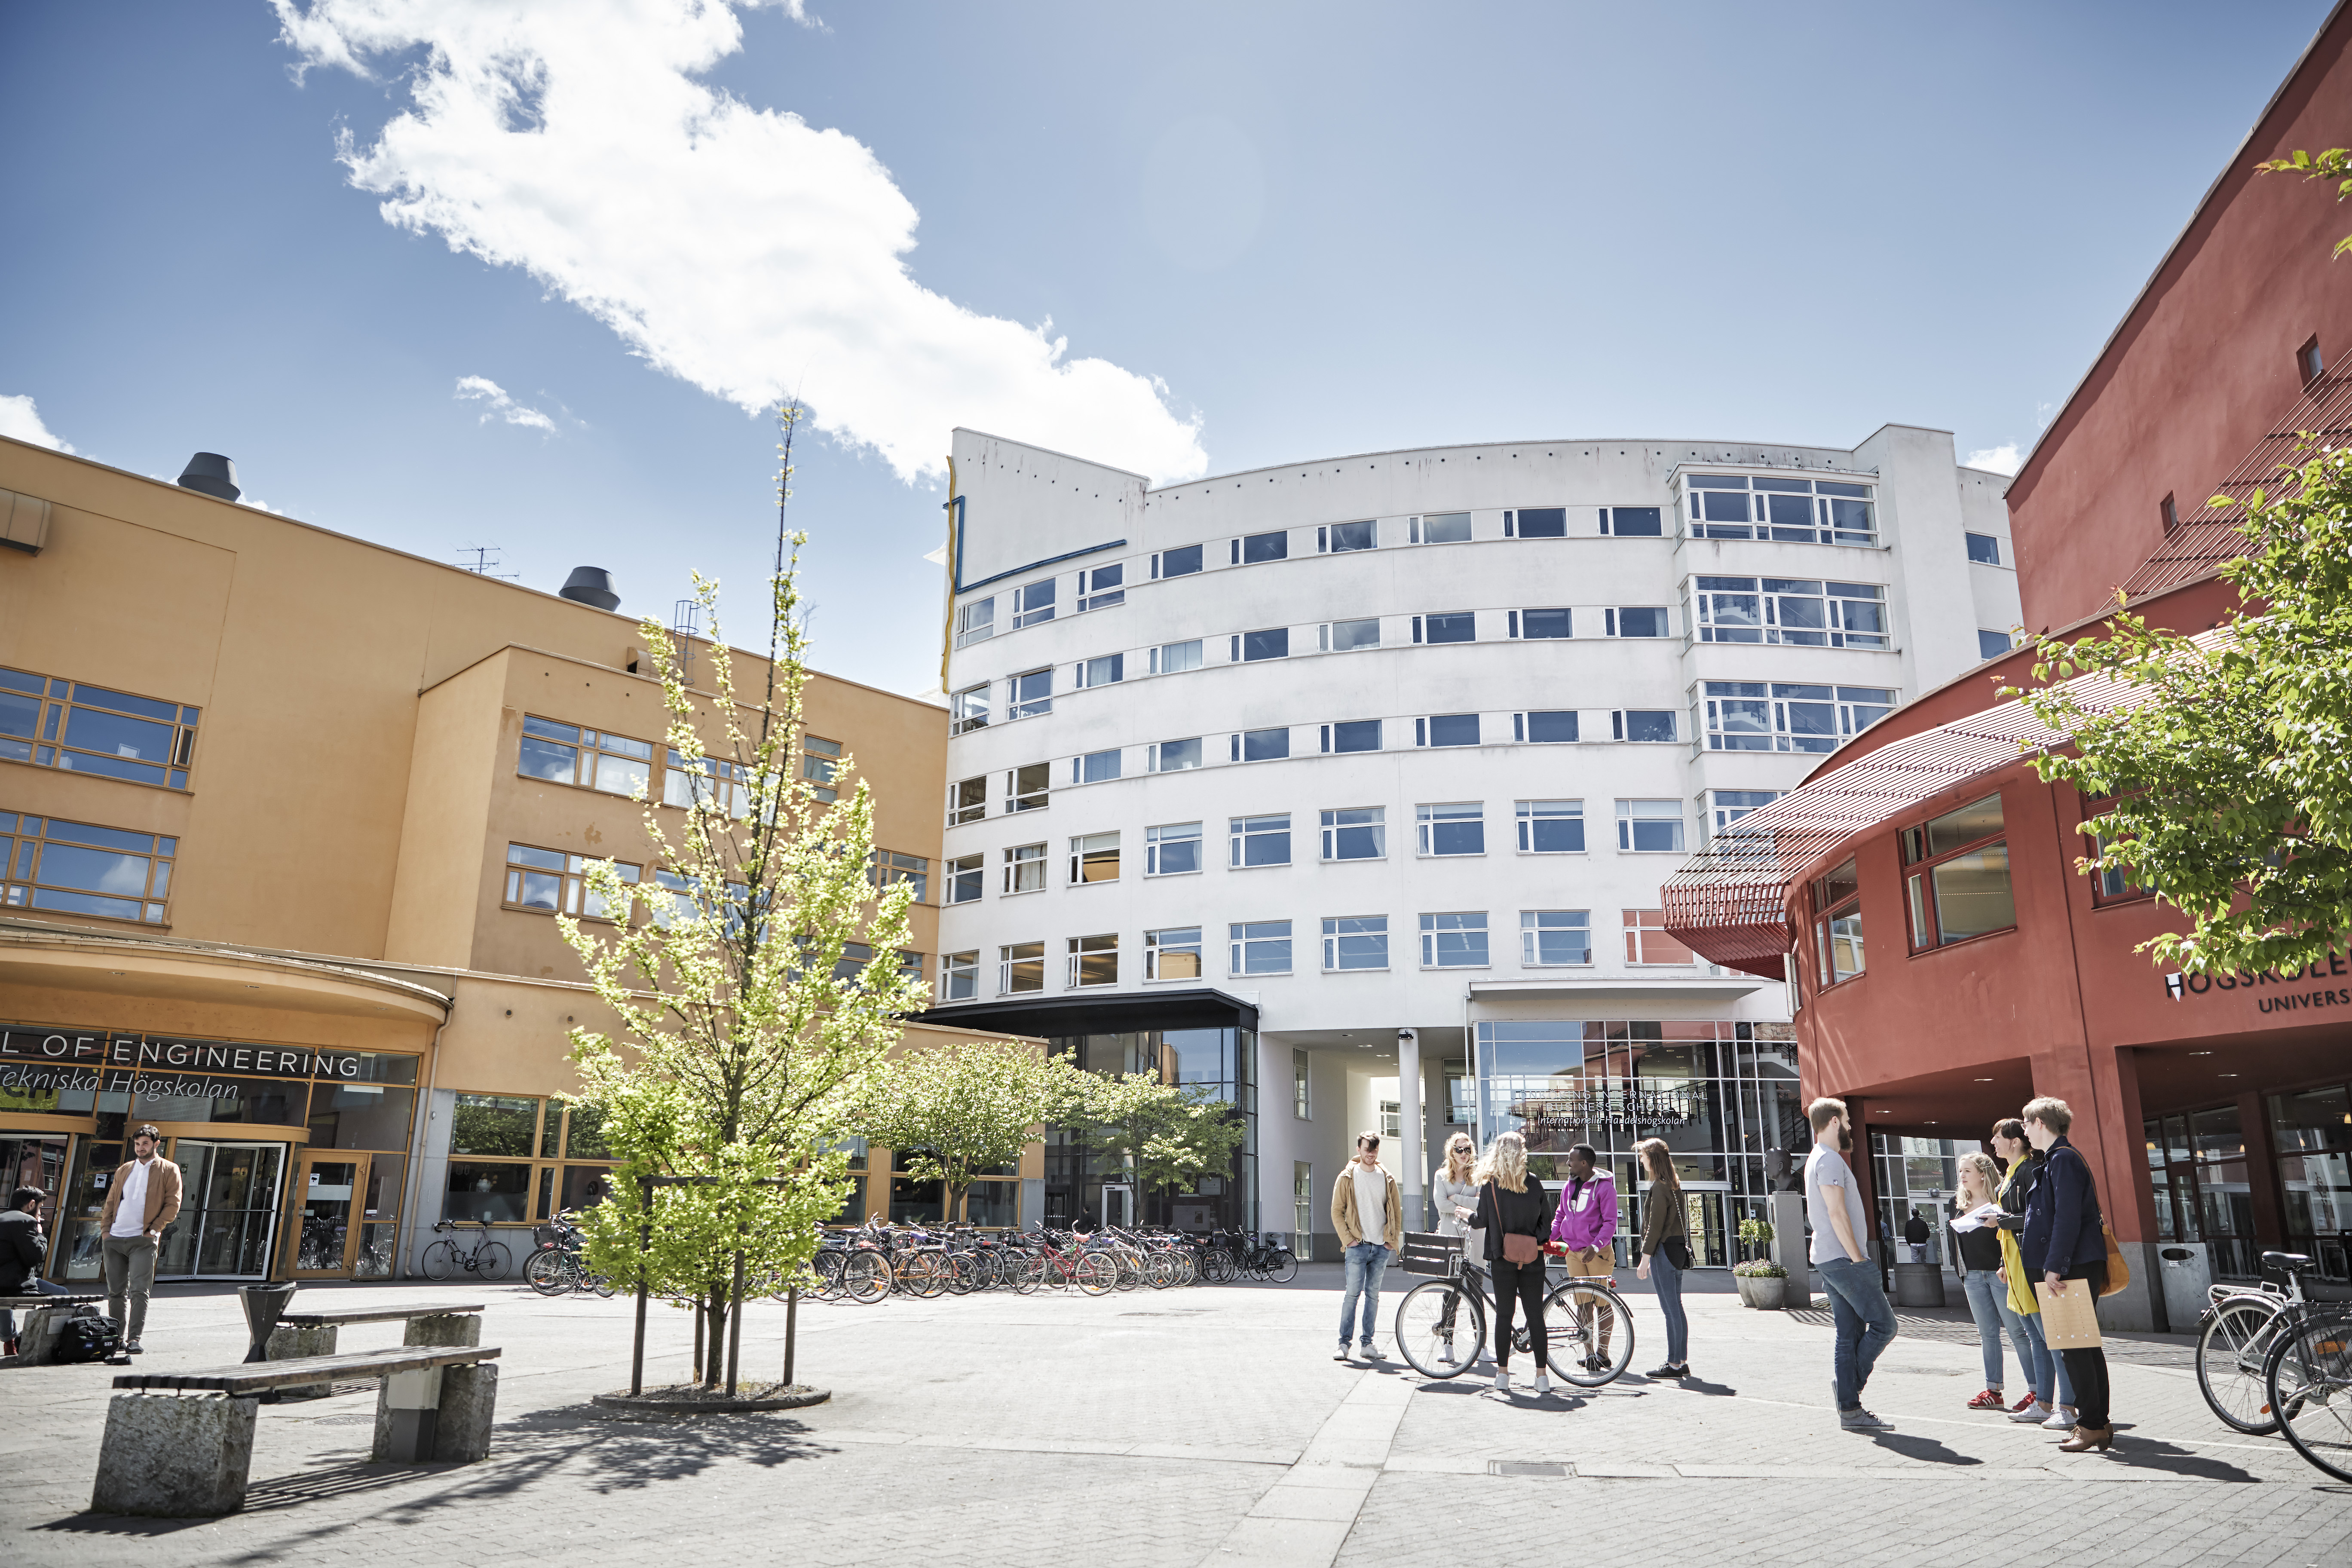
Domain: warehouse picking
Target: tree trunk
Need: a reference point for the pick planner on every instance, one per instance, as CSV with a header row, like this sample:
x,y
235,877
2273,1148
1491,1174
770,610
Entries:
x,y
713,1371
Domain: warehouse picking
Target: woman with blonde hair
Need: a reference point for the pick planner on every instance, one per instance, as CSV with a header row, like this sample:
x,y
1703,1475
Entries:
x,y
1975,1226
1515,1212
1664,1250
1454,1192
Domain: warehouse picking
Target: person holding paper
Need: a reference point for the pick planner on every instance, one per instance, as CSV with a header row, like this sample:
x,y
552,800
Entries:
x,y
2050,1402
2065,1253
1980,1242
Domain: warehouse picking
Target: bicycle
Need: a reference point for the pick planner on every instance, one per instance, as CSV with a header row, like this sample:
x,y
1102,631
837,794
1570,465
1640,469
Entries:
x,y
2307,1377
486,1257
1441,1324
2233,1346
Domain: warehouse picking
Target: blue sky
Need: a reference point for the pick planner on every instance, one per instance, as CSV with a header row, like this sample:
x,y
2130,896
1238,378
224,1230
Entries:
x,y
1264,234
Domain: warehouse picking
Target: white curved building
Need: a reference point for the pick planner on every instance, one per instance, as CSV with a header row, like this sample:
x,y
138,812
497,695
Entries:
x,y
1350,784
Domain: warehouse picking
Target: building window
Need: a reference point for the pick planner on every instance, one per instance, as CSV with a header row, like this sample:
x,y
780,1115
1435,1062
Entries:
x,y
960,976
1094,767
1175,756
1991,644
1461,1093
1731,804
1341,536
1789,716
820,765
1956,877
1173,954
1837,924
1249,648
1984,549
1094,960
1798,512
1456,940
1793,611
546,881
2113,886
975,622
1260,947
1552,939
2307,362
1101,587
1175,658
1352,735
889,867
1033,604
712,785
1633,521
1182,562
1355,941
1539,624
1447,729
1451,827
1025,787
1356,833
968,709
1261,745
1552,827
964,875
1029,695
87,729
1020,966
1535,522
1635,621
1260,840
1555,727
967,801
1024,868
75,867
2170,510
1254,548
1455,625
1301,1102
1650,827
1648,726
1094,858
1440,528
1107,671
1345,636
1171,849
568,754
1646,942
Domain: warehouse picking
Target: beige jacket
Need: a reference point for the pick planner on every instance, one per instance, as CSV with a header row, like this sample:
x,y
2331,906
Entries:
x,y
163,1195
1343,1210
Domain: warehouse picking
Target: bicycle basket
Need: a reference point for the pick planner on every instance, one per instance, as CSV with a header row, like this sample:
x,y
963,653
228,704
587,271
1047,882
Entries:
x,y
1426,1252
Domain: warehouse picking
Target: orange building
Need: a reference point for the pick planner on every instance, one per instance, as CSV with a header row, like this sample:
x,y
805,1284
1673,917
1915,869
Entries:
x,y
284,817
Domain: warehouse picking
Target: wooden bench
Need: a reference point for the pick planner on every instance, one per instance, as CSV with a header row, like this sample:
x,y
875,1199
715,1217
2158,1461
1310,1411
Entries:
x,y
169,1457
303,1335
45,1319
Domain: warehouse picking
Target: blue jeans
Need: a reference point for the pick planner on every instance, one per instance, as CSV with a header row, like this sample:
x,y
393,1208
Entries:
x,y
1367,1261
1667,1280
1865,1325
33,1286
2048,1366
1989,1305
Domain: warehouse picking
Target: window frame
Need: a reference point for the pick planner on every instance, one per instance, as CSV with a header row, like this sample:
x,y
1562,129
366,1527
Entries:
x,y
1627,819
1621,724
1240,936
967,709
1037,704
1612,521
1330,832
1634,924
1922,892
1241,831
956,871
1257,549
1344,729
1837,900
1018,800
960,976
1158,834
968,801
1011,953
1426,822
1424,528
1991,543
51,742
1550,522
1017,863
1155,756
1523,726
1613,621
22,883
1243,739
1327,537
1163,662
1171,940
588,752
1078,950
1432,951
1521,623
571,874
975,621
1101,587
1335,940
1327,634
1525,816
1425,628
1033,603
1182,560
1425,730
1090,855
1531,932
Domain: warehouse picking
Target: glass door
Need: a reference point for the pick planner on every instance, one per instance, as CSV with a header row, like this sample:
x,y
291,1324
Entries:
x,y
322,1229
1705,1213
228,1212
36,1160
1302,1210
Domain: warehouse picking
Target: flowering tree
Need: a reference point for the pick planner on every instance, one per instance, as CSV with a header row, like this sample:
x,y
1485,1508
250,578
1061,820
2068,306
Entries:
x,y
1168,1133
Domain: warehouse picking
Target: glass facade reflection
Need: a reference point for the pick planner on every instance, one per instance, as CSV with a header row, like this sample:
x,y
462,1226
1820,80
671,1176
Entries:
x,y
1087,1179
1719,1094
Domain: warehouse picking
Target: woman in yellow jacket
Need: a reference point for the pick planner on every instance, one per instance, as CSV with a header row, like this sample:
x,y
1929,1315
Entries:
x,y
2043,1366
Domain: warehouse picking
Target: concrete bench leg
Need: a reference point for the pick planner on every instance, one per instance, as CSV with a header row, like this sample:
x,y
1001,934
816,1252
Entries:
x,y
443,1415
174,1457
37,1341
292,1344
469,1398
445,1330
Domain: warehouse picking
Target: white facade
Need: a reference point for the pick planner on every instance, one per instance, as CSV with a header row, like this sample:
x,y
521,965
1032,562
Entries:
x,y
1475,606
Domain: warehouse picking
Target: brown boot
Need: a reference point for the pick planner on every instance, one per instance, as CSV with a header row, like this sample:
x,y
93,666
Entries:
x,y
2082,1439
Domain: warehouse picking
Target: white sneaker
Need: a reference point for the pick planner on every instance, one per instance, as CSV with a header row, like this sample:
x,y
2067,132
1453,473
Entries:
x,y
1503,1383
1342,1353
2061,1420
1543,1381
2036,1413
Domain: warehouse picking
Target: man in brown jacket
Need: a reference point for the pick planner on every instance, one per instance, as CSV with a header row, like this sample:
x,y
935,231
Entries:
x,y
1366,1204
142,1198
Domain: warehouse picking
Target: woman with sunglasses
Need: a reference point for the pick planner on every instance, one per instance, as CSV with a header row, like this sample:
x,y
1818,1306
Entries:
x,y
1456,1196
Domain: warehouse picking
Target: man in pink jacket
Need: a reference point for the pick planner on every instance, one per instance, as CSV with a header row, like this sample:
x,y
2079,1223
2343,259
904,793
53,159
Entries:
x,y
1587,1226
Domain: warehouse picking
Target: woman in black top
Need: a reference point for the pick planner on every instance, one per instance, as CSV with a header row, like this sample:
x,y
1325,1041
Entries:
x,y
2064,1248
1512,1202
1980,1278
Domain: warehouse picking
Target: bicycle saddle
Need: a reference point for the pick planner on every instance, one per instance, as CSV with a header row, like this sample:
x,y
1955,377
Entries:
x,y
2286,1262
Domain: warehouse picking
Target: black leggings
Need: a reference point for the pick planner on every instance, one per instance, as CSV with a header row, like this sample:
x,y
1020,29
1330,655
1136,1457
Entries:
x,y
2087,1369
1525,1283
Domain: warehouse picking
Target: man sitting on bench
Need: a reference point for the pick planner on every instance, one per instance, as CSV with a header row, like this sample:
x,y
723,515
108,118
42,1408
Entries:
x,y
23,1250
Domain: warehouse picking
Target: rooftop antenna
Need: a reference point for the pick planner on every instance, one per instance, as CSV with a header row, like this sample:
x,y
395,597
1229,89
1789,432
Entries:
x,y
482,562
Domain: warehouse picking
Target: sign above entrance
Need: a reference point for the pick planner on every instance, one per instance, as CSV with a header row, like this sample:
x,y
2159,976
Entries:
x,y
156,1053
2179,987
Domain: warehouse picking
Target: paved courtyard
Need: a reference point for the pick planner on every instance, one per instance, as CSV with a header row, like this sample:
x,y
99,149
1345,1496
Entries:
x,y
1186,1427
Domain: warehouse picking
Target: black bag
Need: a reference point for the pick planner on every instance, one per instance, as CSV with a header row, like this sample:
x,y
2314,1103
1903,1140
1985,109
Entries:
x,y
1677,1251
88,1338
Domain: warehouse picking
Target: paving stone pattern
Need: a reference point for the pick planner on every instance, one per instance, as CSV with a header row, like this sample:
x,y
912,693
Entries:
x,y
1206,1427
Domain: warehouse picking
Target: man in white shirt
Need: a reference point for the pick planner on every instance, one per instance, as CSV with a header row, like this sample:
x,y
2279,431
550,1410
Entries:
x,y
1366,1203
1858,1306
142,1198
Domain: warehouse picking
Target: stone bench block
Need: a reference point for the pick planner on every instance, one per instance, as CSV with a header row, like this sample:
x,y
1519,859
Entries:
x,y
174,1456
442,1416
444,1328
292,1344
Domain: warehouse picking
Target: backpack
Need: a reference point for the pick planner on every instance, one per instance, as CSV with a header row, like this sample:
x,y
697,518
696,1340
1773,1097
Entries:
x,y
88,1338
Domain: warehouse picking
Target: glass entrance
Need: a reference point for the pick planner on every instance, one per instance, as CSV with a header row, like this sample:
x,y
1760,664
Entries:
x,y
324,1194
36,1160
229,1210
1704,1211
1302,1210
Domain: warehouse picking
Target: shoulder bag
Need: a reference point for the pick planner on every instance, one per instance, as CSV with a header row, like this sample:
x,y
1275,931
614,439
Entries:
x,y
2120,1274
1519,1248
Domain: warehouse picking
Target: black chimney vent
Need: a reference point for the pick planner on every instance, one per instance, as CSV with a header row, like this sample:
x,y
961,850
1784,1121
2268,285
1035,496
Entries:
x,y
209,473
591,586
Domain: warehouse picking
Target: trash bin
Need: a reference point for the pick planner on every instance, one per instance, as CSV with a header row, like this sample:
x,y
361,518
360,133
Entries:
x,y
1918,1284
263,1305
2186,1270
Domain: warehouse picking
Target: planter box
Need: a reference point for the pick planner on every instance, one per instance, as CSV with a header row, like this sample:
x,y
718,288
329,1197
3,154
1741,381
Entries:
x,y
1769,1293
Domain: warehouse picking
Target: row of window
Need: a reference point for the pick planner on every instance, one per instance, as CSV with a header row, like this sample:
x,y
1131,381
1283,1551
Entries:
x,y
553,881
557,752
76,867
1456,939
52,722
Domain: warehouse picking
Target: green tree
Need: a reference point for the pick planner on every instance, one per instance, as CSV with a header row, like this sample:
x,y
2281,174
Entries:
x,y
1168,1134
744,1040
960,1112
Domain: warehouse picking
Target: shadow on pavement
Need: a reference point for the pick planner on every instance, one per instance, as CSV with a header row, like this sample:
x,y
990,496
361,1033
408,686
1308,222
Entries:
x,y
1697,1385
2147,1454
1925,1449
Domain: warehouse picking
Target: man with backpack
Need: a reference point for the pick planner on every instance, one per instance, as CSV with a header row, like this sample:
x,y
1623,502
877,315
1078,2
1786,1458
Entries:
x,y
23,1249
142,1198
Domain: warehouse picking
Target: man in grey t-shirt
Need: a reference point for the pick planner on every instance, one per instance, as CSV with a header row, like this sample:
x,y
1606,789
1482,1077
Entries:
x,y
1865,1323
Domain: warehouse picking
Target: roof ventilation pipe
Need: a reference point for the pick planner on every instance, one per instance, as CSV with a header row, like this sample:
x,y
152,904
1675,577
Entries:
x,y
591,585
209,473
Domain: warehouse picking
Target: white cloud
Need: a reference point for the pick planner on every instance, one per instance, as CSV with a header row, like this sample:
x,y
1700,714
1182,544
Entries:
x,y
737,248
497,404
2004,458
20,420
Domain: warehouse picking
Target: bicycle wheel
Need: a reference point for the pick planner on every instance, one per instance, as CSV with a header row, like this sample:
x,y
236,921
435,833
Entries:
x,y
1160,1272
1280,1266
492,1260
866,1278
598,1283
1024,1273
544,1272
963,1273
1439,1329
1097,1274
2309,1381
2233,1352
1218,1265
1591,1333
440,1261
928,1274
827,1268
